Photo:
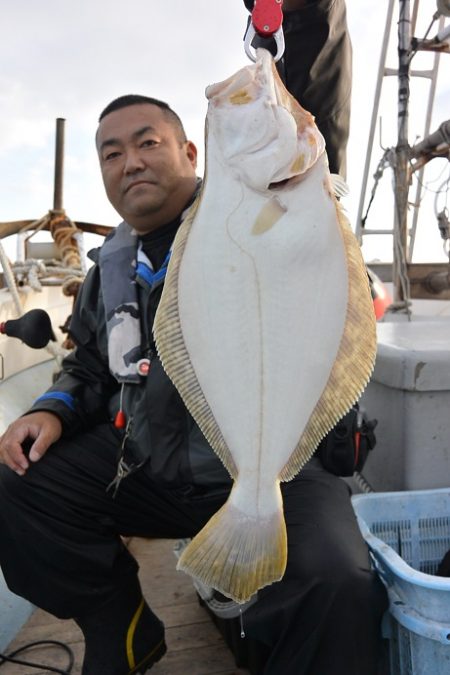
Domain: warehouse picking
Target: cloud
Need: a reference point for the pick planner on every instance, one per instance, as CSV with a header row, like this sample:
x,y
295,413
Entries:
x,y
70,59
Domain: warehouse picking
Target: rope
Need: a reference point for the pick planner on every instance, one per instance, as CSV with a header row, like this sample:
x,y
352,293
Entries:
x,y
37,273
63,231
68,239
66,235
10,280
69,272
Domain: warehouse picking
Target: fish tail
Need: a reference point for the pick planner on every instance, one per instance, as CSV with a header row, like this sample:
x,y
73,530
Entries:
x,y
238,554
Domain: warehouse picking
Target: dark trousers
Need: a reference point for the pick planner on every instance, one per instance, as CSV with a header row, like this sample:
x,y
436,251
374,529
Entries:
x,y
60,548
317,70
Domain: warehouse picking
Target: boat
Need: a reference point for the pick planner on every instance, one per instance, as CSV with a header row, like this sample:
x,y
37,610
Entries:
x,y
409,392
44,277
414,333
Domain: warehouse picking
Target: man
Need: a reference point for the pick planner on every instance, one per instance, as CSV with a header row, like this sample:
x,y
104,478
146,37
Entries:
x,y
64,503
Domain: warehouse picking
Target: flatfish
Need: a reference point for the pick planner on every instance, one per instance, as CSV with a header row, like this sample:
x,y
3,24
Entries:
x,y
266,324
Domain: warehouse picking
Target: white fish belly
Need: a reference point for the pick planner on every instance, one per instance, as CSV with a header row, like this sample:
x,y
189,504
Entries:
x,y
262,315
266,324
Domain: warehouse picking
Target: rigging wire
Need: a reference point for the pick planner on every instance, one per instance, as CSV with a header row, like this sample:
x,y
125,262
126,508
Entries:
x,y
385,161
426,185
415,50
441,191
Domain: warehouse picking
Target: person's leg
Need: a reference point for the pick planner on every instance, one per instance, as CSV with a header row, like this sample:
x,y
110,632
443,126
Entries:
x,y
317,68
324,617
60,527
61,546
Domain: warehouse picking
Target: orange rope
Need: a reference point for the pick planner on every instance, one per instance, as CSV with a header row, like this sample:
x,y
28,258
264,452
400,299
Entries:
x,y
63,230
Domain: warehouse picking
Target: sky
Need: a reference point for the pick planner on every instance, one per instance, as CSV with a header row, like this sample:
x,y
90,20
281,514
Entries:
x,y
69,59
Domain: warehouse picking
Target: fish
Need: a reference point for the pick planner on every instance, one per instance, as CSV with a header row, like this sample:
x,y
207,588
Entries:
x,y
266,324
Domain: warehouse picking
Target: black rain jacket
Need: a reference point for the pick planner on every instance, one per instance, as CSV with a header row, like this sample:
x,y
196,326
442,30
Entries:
x,y
162,435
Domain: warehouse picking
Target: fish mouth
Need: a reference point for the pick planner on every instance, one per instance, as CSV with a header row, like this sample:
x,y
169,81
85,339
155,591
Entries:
x,y
288,182
282,183
261,131
247,85
239,89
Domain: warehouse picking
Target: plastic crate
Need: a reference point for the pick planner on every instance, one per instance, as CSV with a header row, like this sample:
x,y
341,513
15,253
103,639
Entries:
x,y
408,534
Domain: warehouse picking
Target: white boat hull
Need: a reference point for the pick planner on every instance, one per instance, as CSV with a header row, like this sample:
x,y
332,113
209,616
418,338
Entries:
x,y
25,373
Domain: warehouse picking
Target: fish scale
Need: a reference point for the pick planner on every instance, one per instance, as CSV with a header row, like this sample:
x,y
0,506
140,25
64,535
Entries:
x,y
266,324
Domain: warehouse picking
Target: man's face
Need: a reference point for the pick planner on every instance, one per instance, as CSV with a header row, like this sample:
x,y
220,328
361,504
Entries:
x,y
148,172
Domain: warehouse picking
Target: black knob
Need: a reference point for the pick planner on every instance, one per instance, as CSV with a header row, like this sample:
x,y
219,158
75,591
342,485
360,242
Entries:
x,y
34,328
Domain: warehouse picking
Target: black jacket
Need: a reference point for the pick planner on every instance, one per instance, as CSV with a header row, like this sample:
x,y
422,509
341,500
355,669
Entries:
x,y
162,436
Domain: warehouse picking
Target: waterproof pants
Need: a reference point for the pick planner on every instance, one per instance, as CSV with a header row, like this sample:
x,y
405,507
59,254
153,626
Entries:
x,y
317,70
60,548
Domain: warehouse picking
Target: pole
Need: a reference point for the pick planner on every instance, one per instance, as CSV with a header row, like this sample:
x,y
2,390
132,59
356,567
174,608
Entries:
x,y
373,122
431,97
59,165
401,170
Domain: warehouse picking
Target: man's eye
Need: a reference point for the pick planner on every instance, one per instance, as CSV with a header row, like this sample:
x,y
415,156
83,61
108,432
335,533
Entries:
x,y
111,155
149,142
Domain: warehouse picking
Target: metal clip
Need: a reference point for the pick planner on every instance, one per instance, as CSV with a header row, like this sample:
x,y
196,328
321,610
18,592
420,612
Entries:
x,y
123,469
251,33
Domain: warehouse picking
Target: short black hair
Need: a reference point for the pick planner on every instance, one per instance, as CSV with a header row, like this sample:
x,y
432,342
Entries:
x,y
138,99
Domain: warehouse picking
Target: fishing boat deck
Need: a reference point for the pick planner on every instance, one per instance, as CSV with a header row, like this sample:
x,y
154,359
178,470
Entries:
x,y
195,645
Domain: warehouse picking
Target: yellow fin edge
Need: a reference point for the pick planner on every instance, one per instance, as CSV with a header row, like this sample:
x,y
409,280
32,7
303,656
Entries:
x,y
174,355
354,362
237,554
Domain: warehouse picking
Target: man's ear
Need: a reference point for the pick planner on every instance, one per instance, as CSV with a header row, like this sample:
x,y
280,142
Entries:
x,y
191,153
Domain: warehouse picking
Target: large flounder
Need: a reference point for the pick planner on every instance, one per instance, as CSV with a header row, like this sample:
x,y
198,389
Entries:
x,y
266,324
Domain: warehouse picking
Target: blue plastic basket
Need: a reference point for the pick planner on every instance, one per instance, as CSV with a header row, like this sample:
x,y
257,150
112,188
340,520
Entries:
x,y
408,534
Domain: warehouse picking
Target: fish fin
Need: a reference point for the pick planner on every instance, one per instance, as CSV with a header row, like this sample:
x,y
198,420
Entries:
x,y
174,355
354,361
340,187
238,554
270,214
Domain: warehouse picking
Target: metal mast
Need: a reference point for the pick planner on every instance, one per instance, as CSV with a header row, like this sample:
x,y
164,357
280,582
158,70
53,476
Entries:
x,y
401,167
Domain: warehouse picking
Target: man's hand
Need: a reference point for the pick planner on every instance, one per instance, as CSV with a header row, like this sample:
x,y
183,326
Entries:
x,y
40,428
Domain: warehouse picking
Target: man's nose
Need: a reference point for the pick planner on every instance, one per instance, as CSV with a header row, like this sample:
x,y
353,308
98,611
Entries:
x,y
133,161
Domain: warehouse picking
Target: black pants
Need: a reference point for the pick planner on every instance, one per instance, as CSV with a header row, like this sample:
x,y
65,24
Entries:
x,y
60,548
317,70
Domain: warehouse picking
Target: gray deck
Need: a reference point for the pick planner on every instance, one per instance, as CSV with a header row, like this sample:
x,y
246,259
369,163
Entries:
x,y
195,646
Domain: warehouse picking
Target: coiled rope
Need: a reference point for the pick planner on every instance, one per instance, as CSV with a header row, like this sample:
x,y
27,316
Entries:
x,y
67,272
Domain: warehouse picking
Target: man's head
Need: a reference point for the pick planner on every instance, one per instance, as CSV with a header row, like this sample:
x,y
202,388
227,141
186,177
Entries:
x,y
148,165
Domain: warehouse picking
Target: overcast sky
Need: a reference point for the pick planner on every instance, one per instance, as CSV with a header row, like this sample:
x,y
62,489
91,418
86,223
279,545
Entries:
x,y
69,59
